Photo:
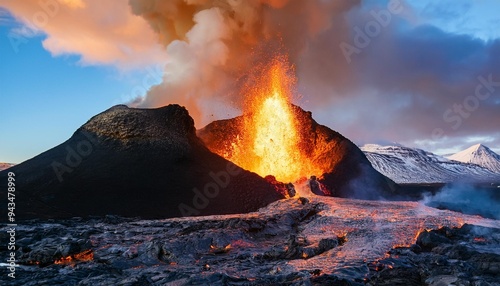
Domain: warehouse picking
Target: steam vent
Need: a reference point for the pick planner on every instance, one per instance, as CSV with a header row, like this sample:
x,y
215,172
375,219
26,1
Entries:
x,y
150,163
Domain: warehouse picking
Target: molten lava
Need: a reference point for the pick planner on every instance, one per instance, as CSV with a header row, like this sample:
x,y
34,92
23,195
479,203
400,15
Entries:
x,y
271,139
86,255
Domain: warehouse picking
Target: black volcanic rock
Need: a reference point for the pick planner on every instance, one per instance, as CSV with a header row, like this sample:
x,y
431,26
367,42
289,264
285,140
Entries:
x,y
347,171
289,242
134,162
448,256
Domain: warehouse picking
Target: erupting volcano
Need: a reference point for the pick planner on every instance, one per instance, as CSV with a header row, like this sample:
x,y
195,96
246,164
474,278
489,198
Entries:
x,y
275,138
270,141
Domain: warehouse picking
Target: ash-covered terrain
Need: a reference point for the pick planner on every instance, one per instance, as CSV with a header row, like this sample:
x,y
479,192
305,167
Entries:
x,y
297,241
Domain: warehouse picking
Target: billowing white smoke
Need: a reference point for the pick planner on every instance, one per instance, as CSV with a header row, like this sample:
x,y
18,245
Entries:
x,y
192,72
212,46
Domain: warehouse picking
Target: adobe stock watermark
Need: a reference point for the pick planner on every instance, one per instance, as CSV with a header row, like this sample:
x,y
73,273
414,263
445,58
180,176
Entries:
x,y
11,216
459,112
74,156
201,199
372,29
48,10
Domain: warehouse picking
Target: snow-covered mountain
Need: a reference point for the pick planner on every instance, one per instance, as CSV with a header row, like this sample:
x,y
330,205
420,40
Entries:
x,y
4,166
479,155
409,165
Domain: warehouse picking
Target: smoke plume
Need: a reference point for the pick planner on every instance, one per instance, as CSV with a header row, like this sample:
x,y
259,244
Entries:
x,y
212,46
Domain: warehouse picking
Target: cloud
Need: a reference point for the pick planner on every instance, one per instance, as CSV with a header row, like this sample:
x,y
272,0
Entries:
x,y
435,76
100,32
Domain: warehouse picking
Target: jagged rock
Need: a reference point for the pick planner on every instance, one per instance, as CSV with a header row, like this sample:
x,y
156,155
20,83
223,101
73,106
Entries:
x,y
291,190
316,187
449,256
429,239
288,242
138,252
134,162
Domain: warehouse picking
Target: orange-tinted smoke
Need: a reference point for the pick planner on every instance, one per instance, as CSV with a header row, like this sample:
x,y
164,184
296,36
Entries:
x,y
212,46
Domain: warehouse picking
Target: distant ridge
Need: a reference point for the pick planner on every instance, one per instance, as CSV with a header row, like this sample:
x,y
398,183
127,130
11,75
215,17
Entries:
x,y
410,165
4,166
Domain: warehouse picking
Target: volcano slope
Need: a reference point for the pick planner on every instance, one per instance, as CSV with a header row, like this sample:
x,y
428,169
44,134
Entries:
x,y
134,162
347,171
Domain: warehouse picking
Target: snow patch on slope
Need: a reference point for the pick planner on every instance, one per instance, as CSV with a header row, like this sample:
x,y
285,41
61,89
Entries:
x,y
479,155
4,166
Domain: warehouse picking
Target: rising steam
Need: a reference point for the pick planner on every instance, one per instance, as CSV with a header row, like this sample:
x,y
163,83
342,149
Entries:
x,y
467,199
213,45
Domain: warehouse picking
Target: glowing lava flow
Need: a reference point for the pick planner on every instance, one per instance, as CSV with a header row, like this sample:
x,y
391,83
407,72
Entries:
x,y
270,143
275,140
86,255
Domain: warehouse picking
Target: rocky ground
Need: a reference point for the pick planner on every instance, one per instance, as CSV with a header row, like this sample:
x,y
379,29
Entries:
x,y
469,255
298,241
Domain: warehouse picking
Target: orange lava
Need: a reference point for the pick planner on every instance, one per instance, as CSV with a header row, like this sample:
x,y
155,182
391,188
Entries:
x,y
79,257
270,141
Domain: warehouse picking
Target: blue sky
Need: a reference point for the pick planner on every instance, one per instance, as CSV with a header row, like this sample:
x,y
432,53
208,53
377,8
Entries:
x,y
44,99
45,96
477,17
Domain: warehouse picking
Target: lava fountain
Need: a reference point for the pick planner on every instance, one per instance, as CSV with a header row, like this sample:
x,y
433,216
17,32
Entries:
x,y
270,144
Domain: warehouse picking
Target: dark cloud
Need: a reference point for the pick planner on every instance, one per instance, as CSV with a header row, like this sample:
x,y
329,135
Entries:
x,y
402,84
